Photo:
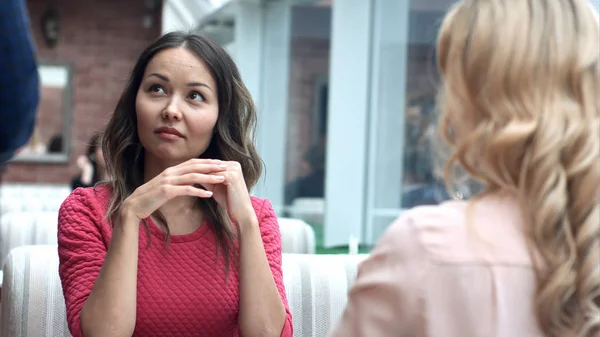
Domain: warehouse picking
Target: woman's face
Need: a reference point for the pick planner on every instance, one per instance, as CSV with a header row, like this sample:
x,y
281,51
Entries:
x,y
176,107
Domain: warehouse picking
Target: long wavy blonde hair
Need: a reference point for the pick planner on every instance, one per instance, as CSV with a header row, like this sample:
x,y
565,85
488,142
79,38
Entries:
x,y
520,111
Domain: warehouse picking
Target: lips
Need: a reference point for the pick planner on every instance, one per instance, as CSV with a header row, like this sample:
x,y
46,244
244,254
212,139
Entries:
x,y
169,131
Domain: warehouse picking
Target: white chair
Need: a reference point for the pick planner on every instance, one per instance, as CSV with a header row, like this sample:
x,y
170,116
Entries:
x,y
52,204
317,289
23,228
11,204
30,204
46,228
33,305
297,237
32,197
311,210
32,300
11,189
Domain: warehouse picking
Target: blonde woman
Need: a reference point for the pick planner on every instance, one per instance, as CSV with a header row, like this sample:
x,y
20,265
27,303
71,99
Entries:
x,y
520,109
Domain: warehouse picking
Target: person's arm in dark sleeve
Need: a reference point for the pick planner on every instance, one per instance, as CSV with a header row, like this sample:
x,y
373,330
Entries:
x,y
19,81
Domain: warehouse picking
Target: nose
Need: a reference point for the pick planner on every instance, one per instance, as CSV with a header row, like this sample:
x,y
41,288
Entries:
x,y
171,111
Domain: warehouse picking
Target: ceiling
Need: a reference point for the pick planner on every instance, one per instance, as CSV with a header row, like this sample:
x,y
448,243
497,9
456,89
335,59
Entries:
x,y
193,11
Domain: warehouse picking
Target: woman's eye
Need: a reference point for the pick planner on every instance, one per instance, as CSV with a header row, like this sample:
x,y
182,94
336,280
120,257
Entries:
x,y
196,96
156,89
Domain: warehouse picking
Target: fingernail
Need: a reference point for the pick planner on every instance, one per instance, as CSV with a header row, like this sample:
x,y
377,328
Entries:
x,y
220,178
223,166
209,193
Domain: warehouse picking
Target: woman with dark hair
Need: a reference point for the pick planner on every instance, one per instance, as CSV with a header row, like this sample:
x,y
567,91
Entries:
x,y
91,165
173,244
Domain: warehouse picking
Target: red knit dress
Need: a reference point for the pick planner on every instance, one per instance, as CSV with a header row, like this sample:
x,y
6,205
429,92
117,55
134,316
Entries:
x,y
181,291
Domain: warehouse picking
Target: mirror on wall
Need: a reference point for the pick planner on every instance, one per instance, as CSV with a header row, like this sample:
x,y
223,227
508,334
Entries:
x,y
51,137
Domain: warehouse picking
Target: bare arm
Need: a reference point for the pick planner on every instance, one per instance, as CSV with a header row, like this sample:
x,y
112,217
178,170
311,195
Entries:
x,y
110,309
262,312
263,304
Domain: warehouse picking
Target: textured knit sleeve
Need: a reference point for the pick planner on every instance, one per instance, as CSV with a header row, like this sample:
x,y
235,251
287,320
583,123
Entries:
x,y
81,251
269,230
386,298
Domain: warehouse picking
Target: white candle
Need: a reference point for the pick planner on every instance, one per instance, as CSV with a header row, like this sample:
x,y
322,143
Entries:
x,y
353,245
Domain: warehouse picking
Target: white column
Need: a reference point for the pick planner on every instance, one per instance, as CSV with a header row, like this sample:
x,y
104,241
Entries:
x,y
273,98
247,47
261,52
347,126
388,103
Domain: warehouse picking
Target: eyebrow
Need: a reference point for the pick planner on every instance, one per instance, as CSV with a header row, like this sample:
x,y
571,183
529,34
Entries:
x,y
191,84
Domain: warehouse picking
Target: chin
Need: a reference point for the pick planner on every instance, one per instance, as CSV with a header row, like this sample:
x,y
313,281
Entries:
x,y
171,153
170,156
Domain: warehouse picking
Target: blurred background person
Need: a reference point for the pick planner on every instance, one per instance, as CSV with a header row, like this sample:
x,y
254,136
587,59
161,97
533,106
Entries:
x,y
55,145
19,82
92,168
421,184
520,113
311,184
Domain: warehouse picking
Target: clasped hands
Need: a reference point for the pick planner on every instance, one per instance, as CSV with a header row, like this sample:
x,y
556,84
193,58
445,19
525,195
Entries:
x,y
222,180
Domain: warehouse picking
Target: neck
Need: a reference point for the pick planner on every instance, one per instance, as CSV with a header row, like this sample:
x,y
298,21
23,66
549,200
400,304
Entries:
x,y
102,173
180,206
177,205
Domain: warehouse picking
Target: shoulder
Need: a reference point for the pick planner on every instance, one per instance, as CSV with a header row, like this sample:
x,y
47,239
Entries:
x,y
81,219
97,196
488,230
446,215
267,221
424,230
262,207
19,80
89,201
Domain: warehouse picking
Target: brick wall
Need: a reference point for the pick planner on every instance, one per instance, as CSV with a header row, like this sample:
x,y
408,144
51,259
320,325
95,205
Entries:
x,y
49,119
101,40
309,62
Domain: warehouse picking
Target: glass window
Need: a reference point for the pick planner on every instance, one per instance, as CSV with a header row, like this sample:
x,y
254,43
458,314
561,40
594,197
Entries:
x,y
307,114
404,84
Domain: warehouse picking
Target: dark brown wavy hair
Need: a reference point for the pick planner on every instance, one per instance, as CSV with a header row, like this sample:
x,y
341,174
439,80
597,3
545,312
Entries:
x,y
233,138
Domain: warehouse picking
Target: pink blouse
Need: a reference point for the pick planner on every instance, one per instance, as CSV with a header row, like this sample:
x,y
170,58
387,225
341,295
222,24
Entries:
x,y
446,271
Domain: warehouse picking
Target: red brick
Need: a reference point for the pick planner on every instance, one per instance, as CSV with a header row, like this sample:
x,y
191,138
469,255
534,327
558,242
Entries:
x,y
101,39
309,61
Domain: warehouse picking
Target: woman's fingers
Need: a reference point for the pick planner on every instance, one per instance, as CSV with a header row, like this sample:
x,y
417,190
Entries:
x,y
204,161
191,191
197,166
195,178
168,192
